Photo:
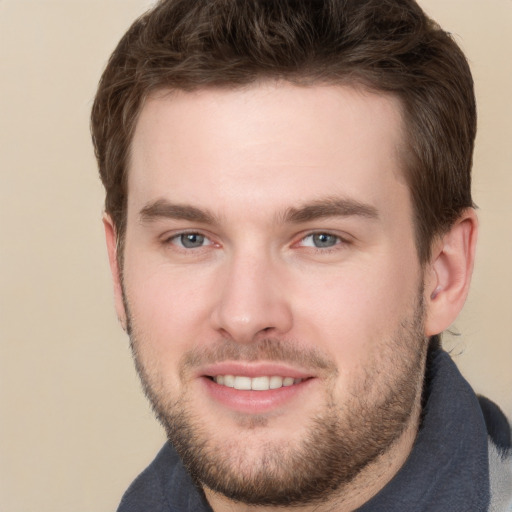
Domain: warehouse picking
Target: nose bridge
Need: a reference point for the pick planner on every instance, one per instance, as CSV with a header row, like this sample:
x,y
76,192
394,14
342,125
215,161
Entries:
x,y
252,299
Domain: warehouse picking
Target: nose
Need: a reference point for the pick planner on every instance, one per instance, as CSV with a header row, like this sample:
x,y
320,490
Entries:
x,y
252,301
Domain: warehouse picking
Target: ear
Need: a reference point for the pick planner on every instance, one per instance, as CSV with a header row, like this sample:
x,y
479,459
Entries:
x,y
111,239
449,273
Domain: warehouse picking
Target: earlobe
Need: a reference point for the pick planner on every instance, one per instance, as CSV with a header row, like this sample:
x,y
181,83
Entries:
x,y
449,273
112,248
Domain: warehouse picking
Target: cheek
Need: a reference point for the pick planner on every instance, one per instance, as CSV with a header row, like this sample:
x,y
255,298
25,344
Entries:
x,y
169,314
355,312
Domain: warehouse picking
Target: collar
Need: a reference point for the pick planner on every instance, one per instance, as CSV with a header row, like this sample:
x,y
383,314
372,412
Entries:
x,y
447,469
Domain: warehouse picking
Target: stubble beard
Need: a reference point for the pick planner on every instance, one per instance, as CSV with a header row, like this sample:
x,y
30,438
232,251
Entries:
x,y
341,440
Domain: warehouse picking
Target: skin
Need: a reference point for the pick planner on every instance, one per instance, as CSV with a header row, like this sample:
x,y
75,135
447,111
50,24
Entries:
x,y
236,167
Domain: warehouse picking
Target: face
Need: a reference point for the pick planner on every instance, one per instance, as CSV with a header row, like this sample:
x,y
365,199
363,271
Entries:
x,y
272,286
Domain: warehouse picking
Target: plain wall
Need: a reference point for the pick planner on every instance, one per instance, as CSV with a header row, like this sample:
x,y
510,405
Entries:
x,y
74,427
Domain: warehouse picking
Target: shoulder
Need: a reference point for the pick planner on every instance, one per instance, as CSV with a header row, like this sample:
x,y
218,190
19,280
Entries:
x,y
500,476
497,424
500,456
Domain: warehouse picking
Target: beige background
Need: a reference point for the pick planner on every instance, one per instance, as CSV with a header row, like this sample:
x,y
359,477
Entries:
x,y
74,428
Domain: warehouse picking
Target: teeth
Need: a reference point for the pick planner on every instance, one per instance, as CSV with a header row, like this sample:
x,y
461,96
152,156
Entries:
x,y
288,381
243,383
256,383
260,383
229,381
276,382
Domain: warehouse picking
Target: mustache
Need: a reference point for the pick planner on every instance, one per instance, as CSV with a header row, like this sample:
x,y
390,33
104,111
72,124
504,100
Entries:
x,y
266,349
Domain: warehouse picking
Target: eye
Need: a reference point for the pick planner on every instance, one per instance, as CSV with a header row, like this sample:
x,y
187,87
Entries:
x,y
320,240
190,240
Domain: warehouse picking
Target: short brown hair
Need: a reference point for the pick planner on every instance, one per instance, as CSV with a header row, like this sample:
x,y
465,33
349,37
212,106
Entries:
x,y
385,45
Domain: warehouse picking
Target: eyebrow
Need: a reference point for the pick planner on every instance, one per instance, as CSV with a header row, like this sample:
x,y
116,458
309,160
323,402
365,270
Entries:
x,y
330,207
164,209
322,208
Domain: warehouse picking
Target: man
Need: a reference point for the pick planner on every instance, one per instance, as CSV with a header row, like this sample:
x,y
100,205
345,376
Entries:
x,y
290,228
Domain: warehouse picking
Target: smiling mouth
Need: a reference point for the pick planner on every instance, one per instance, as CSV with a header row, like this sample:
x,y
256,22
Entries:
x,y
263,383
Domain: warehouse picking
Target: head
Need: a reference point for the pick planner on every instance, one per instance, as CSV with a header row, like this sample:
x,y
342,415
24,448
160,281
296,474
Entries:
x,y
288,186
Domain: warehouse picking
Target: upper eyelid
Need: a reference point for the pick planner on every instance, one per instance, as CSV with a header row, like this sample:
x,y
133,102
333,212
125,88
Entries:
x,y
322,232
174,234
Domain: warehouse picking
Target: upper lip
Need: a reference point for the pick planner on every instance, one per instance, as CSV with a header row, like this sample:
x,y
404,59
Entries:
x,y
252,369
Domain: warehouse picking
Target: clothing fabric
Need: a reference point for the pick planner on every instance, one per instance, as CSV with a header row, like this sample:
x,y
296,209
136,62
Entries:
x,y
461,460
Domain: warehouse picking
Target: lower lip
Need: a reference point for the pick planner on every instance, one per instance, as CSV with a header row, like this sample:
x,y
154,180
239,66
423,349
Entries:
x,y
255,402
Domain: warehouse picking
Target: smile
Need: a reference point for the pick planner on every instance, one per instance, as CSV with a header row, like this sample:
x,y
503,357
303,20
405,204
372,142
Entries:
x,y
262,383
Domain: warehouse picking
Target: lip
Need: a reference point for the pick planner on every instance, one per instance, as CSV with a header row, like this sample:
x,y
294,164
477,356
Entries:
x,y
253,370
249,401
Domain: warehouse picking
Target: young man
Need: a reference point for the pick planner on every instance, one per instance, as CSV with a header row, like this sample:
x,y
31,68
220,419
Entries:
x,y
290,228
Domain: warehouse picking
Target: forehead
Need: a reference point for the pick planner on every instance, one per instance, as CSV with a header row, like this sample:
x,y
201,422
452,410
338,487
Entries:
x,y
271,143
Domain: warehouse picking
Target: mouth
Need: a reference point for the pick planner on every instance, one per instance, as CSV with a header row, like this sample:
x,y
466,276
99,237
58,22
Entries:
x,y
259,383
259,388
